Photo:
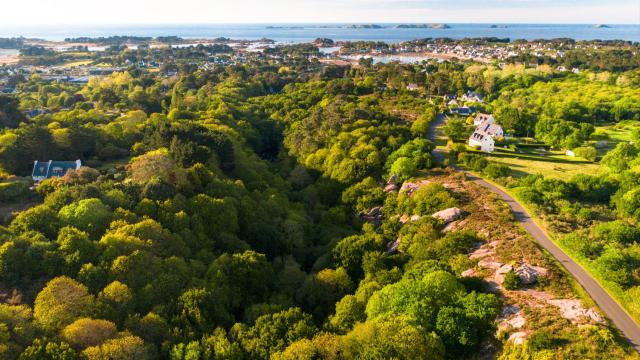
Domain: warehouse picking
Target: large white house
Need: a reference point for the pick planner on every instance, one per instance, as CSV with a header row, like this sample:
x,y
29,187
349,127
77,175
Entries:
x,y
471,96
485,134
485,142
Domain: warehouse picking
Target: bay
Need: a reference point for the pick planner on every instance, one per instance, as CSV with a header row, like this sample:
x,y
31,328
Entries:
x,y
294,33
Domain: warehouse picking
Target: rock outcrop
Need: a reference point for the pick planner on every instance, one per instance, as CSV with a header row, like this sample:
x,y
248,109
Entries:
x,y
448,215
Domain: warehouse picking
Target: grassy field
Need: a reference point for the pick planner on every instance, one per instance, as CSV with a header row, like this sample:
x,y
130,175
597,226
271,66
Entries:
x,y
553,164
77,63
614,134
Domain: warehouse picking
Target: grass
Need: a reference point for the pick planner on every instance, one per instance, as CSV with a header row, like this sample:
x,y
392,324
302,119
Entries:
x,y
614,134
77,63
553,164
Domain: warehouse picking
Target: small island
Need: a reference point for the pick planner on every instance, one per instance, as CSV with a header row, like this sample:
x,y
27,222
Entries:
x,y
423,26
285,28
364,26
600,26
495,26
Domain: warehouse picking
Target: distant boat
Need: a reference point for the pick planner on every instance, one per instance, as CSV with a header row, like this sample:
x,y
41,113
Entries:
x,y
494,26
600,26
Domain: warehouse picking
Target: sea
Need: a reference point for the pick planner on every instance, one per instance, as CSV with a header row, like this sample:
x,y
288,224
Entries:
x,y
296,33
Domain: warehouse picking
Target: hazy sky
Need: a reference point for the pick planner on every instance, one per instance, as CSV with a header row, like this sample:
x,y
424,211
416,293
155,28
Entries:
x,y
27,12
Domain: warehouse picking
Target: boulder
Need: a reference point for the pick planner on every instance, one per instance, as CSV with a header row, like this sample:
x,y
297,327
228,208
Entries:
x,y
541,271
469,273
483,252
527,274
375,212
504,269
450,227
518,338
572,310
393,180
393,247
448,215
501,272
410,187
488,264
390,188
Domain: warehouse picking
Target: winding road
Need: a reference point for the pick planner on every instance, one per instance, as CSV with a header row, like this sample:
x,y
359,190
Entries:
x,y
607,304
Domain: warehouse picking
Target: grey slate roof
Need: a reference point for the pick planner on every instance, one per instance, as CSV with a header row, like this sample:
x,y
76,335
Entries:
x,y
49,169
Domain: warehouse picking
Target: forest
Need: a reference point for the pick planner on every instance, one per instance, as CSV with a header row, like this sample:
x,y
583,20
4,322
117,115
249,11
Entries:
x,y
224,212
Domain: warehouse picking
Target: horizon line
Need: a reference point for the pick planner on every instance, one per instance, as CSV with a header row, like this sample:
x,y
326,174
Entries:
x,y
312,23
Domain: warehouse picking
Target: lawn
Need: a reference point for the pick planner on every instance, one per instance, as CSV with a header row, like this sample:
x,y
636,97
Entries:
x,y
77,63
553,164
614,134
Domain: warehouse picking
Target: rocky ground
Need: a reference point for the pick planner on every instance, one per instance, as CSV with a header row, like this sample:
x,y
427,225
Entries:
x,y
546,298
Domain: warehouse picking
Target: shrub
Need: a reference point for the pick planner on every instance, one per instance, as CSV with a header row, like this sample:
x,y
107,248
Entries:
x,y
473,161
13,191
586,152
512,281
495,170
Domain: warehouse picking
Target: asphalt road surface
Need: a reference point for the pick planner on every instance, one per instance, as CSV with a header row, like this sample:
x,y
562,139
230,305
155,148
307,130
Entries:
x,y
610,307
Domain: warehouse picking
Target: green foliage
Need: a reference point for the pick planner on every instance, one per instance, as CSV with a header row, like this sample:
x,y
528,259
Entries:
x,y
620,158
43,349
89,215
241,197
126,347
426,200
420,126
392,338
273,333
512,281
86,332
61,302
496,170
586,152
13,191
454,129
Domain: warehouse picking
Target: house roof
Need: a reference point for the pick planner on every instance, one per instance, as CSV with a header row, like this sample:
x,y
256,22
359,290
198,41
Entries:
x,y
52,168
483,117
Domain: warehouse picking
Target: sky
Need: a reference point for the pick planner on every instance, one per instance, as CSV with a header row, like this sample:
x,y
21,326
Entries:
x,y
109,12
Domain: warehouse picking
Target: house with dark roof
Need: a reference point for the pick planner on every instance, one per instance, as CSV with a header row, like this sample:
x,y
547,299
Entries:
x,y
484,136
463,111
471,96
47,169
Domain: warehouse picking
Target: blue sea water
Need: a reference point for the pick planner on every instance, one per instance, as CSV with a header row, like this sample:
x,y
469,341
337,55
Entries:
x,y
307,32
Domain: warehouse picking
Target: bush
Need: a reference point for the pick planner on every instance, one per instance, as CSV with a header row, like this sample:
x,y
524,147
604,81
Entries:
x,y
495,170
13,191
586,152
473,161
512,281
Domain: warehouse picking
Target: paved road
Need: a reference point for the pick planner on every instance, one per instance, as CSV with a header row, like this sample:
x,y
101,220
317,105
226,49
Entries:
x,y
610,307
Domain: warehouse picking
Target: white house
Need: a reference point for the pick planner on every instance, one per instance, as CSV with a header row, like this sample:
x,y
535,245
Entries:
x,y
413,87
485,142
485,134
473,97
482,118
47,169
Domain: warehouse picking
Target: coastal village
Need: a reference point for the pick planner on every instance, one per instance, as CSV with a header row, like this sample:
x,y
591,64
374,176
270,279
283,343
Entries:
x,y
80,66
